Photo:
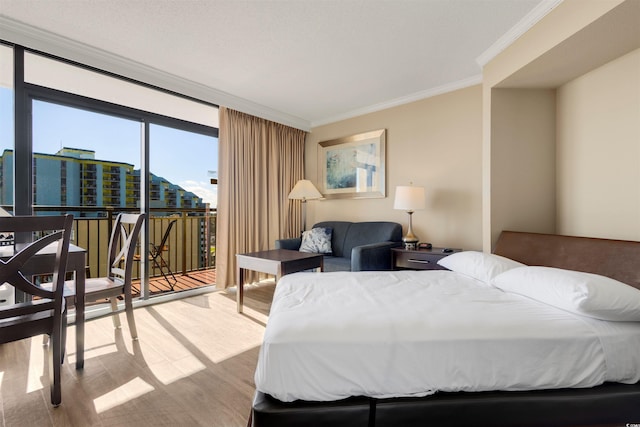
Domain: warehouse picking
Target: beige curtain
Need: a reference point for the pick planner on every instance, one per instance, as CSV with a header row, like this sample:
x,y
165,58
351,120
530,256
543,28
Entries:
x,y
260,162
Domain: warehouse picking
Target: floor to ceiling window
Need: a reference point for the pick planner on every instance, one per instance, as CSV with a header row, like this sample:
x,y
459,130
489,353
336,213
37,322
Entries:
x,y
100,145
7,293
182,192
6,124
84,163
85,157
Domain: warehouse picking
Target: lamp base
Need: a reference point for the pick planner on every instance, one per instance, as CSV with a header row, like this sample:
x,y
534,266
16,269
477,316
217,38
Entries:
x,y
410,242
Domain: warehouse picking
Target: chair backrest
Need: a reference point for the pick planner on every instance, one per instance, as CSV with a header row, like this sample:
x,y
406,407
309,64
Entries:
x,y
122,246
163,243
20,261
368,232
347,235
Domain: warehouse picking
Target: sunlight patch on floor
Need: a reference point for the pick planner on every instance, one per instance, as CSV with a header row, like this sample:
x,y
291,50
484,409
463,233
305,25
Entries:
x,y
190,365
252,332
215,341
37,357
95,352
123,394
168,372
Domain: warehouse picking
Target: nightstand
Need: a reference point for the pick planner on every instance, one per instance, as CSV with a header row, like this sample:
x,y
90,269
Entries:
x,y
418,259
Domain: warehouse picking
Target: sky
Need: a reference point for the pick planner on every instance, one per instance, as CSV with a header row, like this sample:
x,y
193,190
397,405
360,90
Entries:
x,y
183,158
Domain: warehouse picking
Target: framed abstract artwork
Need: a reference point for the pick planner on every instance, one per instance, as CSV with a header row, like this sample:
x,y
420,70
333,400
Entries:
x,y
354,166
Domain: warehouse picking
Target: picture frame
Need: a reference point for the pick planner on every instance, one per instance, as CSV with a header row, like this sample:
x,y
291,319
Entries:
x,y
353,167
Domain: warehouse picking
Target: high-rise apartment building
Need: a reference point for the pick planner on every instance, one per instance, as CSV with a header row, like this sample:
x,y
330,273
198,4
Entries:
x,y
73,177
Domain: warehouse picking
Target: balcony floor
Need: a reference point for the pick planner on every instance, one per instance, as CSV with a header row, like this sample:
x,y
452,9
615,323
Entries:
x,y
190,280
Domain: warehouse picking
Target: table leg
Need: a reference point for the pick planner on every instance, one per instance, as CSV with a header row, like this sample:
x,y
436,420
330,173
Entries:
x,y
80,289
240,291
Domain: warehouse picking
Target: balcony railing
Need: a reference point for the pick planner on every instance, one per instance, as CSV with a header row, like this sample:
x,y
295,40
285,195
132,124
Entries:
x,y
190,246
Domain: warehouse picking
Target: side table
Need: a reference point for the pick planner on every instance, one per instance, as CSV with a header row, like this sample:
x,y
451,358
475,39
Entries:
x,y
419,259
277,262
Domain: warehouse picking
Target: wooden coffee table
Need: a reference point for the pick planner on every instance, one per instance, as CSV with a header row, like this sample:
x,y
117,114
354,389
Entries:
x,y
277,262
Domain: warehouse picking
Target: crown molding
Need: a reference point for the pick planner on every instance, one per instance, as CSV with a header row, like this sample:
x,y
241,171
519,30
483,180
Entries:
x,y
35,38
528,21
439,90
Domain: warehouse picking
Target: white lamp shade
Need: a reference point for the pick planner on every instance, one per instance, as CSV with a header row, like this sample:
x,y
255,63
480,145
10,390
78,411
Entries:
x,y
409,198
304,190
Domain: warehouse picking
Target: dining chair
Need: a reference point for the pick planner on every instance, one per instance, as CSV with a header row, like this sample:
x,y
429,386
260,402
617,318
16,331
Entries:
x,y
157,260
45,311
117,282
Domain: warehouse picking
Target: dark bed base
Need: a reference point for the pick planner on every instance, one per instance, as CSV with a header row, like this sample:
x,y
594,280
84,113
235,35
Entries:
x,y
605,405
608,404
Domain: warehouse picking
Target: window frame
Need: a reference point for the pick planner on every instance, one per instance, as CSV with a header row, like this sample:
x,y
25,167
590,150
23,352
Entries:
x,y
26,93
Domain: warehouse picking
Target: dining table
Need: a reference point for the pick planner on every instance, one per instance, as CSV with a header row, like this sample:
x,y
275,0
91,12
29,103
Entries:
x,y
42,263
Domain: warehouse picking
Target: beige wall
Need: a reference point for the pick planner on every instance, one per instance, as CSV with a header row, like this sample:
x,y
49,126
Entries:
x,y
598,146
549,143
579,51
523,179
435,143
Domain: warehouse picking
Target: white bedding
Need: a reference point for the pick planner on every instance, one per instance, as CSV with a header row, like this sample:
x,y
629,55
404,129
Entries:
x,y
412,333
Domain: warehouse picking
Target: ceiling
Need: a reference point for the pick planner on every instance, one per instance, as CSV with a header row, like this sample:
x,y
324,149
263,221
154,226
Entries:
x,y
300,62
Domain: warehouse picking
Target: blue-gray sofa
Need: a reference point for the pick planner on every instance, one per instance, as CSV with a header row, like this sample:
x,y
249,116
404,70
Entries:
x,y
356,246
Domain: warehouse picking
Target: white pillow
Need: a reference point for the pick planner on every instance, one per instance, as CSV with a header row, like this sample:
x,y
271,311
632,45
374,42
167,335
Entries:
x,y
478,265
317,240
581,293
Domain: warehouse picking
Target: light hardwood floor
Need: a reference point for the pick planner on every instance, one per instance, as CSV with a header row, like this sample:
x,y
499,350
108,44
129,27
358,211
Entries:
x,y
192,366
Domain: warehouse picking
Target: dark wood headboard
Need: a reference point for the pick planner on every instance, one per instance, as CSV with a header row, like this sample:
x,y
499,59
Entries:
x,y
618,259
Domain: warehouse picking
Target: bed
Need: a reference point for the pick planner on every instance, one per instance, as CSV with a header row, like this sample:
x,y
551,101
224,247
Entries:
x,y
550,364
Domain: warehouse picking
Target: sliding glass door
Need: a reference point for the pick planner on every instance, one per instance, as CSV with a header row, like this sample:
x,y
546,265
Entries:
x,y
92,144
84,163
182,201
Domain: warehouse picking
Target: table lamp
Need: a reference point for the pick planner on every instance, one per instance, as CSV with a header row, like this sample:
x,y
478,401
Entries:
x,y
410,199
304,190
